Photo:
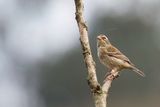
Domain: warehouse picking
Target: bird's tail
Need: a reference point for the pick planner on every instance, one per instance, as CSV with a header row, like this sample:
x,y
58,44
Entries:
x,y
138,71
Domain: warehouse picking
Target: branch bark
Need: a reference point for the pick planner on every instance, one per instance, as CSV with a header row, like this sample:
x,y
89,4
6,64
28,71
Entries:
x,y
88,59
99,92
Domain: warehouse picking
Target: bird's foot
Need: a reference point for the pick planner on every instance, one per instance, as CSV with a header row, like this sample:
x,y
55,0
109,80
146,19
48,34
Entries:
x,y
110,76
116,76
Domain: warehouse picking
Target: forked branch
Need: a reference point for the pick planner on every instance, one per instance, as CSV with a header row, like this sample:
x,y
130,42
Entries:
x,y
99,92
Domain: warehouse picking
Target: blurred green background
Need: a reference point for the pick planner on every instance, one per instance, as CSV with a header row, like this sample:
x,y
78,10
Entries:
x,y
41,57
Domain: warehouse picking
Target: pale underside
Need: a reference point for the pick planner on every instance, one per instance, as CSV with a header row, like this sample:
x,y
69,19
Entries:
x,y
112,62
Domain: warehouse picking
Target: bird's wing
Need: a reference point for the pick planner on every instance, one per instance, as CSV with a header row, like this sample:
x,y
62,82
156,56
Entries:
x,y
114,52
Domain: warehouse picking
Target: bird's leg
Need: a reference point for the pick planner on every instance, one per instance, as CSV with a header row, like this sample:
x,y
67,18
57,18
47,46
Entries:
x,y
113,74
108,76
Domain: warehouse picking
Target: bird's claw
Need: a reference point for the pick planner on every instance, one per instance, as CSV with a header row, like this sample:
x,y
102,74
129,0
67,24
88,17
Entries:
x,y
116,76
110,76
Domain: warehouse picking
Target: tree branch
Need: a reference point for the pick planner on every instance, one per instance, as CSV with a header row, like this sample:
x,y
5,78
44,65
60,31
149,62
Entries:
x,y
99,93
88,59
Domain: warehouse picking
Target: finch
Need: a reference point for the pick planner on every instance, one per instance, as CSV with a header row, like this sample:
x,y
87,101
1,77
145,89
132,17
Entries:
x,y
112,58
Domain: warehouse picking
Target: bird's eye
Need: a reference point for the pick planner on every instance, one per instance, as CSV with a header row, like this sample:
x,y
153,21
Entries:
x,y
103,37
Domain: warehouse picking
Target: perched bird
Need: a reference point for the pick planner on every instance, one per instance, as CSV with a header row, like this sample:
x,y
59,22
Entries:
x,y
112,58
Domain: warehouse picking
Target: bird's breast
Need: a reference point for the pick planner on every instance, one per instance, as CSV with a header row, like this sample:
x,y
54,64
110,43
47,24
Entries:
x,y
105,59
108,61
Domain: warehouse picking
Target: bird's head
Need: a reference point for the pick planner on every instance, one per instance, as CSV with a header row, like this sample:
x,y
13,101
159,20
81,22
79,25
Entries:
x,y
102,41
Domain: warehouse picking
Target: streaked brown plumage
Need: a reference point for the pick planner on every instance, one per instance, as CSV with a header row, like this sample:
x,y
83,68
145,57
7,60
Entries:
x,y
112,58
